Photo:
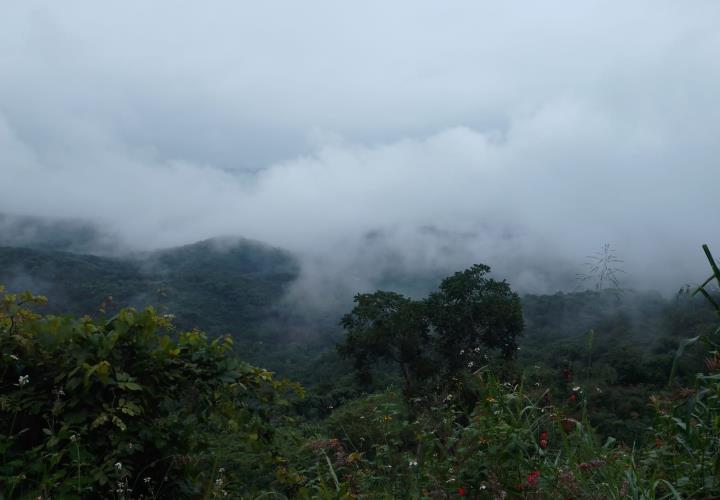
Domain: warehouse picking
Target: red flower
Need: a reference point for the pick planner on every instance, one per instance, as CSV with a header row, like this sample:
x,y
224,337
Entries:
x,y
461,491
573,397
543,439
533,477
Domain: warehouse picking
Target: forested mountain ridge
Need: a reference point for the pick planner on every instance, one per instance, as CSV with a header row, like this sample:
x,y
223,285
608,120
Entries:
x,y
219,285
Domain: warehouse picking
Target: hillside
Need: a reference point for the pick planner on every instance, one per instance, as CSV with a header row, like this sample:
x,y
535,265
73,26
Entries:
x,y
221,286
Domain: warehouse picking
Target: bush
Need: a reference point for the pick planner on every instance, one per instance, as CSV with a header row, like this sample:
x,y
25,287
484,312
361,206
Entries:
x,y
118,407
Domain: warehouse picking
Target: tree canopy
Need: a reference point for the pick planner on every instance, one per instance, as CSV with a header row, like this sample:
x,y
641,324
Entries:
x,y
468,314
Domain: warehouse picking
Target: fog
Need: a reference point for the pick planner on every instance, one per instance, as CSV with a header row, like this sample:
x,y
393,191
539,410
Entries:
x,y
413,138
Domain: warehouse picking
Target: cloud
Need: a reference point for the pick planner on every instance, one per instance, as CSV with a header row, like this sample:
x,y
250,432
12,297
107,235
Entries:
x,y
406,138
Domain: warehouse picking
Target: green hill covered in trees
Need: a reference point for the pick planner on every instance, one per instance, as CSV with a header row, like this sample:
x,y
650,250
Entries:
x,y
470,391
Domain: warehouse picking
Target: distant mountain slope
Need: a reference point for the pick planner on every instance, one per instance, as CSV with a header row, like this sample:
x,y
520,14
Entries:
x,y
60,234
221,286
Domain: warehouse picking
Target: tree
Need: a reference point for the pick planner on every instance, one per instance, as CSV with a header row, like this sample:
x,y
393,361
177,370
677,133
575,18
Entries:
x,y
387,326
470,311
427,338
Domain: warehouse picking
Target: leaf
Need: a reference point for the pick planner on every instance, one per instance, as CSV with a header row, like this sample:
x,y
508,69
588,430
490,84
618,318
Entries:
x,y
130,386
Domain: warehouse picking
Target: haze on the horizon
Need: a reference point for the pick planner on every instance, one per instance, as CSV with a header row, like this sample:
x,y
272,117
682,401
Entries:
x,y
374,136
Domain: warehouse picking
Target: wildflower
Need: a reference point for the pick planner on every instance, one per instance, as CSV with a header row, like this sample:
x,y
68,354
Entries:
x,y
221,470
533,477
23,380
543,439
147,480
471,364
412,463
219,481
576,388
74,438
118,465
462,351
387,418
573,397
461,491
14,357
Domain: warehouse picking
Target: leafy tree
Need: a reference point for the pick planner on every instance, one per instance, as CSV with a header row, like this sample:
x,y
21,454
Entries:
x,y
471,310
429,337
388,326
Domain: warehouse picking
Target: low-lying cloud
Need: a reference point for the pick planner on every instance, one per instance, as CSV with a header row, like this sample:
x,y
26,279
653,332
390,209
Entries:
x,y
375,139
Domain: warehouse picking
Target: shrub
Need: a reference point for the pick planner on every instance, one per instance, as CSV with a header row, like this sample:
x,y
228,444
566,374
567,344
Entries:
x,y
120,407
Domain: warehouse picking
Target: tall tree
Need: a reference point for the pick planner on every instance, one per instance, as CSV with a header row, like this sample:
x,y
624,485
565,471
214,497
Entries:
x,y
427,338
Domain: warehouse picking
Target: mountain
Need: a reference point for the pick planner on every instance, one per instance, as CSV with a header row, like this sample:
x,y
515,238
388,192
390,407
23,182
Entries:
x,y
60,234
219,285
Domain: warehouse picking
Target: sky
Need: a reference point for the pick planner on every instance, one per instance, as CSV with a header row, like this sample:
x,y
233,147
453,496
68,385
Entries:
x,y
374,137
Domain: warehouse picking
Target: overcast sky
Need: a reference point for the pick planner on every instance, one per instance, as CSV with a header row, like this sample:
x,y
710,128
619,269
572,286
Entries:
x,y
411,134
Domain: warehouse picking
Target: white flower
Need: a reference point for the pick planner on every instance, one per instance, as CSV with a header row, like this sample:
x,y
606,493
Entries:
x,y
471,364
23,380
147,480
14,357
74,438
219,481
576,388
483,487
221,470
118,465
462,351
412,463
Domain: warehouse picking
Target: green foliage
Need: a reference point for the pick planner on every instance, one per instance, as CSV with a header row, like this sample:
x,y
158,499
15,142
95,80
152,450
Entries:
x,y
470,310
428,338
123,407
116,408
216,285
386,325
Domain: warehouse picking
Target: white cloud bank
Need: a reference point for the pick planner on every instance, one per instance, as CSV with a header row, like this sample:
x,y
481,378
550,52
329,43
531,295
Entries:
x,y
411,136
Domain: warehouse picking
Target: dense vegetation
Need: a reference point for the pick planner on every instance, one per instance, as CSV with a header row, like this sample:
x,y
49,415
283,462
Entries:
x,y
219,285
448,396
